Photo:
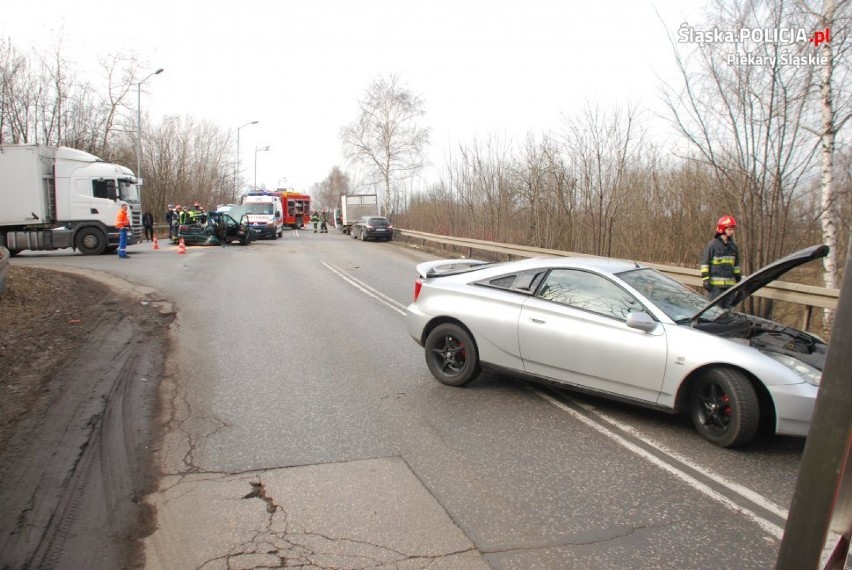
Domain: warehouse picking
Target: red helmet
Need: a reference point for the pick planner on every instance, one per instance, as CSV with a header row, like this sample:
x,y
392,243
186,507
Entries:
x,y
724,223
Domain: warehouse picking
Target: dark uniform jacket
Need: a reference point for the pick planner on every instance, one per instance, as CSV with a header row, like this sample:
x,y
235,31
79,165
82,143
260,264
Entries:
x,y
720,264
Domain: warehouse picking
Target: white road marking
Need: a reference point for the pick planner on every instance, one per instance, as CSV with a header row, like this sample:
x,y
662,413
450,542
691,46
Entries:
x,y
772,529
744,492
367,290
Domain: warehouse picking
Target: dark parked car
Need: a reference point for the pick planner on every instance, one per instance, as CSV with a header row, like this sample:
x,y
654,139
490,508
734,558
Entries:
x,y
216,227
372,227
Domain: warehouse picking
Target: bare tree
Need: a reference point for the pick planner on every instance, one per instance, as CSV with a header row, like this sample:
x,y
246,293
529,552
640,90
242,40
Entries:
x,y
831,20
19,90
604,148
387,139
190,162
745,114
327,193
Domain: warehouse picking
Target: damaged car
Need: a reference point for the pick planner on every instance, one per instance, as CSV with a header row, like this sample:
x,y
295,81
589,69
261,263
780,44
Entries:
x,y
215,228
620,330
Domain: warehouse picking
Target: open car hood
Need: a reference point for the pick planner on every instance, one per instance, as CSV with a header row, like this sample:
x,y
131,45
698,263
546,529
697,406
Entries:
x,y
744,289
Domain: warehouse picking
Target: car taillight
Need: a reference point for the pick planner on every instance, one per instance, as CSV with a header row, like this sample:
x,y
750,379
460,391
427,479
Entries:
x,y
417,285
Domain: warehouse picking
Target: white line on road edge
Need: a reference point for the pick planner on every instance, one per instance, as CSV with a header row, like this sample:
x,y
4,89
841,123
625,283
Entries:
x,y
774,530
744,492
367,290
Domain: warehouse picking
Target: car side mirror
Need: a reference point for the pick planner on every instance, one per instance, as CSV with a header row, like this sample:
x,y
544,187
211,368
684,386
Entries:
x,y
641,321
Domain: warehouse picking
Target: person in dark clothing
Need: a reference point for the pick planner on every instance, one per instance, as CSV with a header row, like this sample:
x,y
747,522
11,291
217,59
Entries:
x,y
171,218
148,225
720,263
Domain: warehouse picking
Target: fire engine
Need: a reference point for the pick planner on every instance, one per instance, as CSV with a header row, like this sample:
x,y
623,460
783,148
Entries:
x,y
297,208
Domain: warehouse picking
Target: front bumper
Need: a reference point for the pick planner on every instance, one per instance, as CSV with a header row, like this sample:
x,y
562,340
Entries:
x,y
263,230
794,407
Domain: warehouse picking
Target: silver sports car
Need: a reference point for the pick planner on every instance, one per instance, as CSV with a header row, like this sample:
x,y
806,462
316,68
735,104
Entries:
x,y
620,330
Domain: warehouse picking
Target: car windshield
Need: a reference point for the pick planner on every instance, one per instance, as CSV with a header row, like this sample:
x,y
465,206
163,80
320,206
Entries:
x,y
237,212
672,297
259,208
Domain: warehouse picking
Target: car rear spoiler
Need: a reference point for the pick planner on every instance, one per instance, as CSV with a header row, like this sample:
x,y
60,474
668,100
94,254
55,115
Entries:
x,y
444,267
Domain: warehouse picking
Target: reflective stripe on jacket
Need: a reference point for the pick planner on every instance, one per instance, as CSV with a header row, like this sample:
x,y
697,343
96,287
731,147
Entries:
x,y
720,263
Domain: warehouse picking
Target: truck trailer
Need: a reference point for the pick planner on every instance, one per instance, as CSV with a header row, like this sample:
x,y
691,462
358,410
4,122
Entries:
x,y
352,207
58,197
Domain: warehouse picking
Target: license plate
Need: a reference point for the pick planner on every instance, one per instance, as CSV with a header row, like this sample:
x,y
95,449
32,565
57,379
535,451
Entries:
x,y
380,229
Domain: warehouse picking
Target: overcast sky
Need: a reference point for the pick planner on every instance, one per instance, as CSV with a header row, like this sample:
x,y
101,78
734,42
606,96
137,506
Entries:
x,y
482,67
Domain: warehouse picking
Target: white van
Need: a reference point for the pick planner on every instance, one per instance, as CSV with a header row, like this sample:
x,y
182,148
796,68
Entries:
x,y
264,212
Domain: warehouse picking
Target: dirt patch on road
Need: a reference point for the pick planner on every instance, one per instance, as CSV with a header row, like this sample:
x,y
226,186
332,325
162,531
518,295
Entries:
x,y
80,364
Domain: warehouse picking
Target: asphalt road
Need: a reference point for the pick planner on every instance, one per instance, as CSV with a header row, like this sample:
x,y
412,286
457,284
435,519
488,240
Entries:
x,y
296,409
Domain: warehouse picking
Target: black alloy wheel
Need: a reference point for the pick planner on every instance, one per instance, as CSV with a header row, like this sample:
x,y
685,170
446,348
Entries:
x,y
724,407
451,355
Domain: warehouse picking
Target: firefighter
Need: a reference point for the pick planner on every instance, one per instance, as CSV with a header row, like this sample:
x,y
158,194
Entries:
x,y
315,220
324,222
171,217
720,263
122,222
183,215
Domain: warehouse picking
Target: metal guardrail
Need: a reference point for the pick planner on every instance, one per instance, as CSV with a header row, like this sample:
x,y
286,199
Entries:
x,y
806,295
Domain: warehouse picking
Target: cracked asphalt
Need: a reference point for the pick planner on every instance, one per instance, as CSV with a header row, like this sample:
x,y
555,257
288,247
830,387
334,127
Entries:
x,y
362,514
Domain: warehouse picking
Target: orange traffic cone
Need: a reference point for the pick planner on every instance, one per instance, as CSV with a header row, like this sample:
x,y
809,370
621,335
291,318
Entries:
x,y
156,243
181,246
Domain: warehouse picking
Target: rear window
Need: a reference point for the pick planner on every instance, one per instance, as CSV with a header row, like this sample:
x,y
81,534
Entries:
x,y
377,221
524,282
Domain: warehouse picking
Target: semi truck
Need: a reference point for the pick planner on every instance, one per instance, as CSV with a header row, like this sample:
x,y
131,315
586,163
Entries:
x,y
58,197
352,207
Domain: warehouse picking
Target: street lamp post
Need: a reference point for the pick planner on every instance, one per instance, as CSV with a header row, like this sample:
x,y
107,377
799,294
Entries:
x,y
257,150
237,164
139,122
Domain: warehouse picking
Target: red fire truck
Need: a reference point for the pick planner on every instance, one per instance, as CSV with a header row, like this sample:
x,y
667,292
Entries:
x,y
297,208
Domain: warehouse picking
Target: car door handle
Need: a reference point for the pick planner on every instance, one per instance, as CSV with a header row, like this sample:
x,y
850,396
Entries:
x,y
537,321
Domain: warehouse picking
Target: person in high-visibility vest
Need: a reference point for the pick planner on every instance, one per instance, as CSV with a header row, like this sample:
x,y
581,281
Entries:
x,y
122,222
720,263
315,220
